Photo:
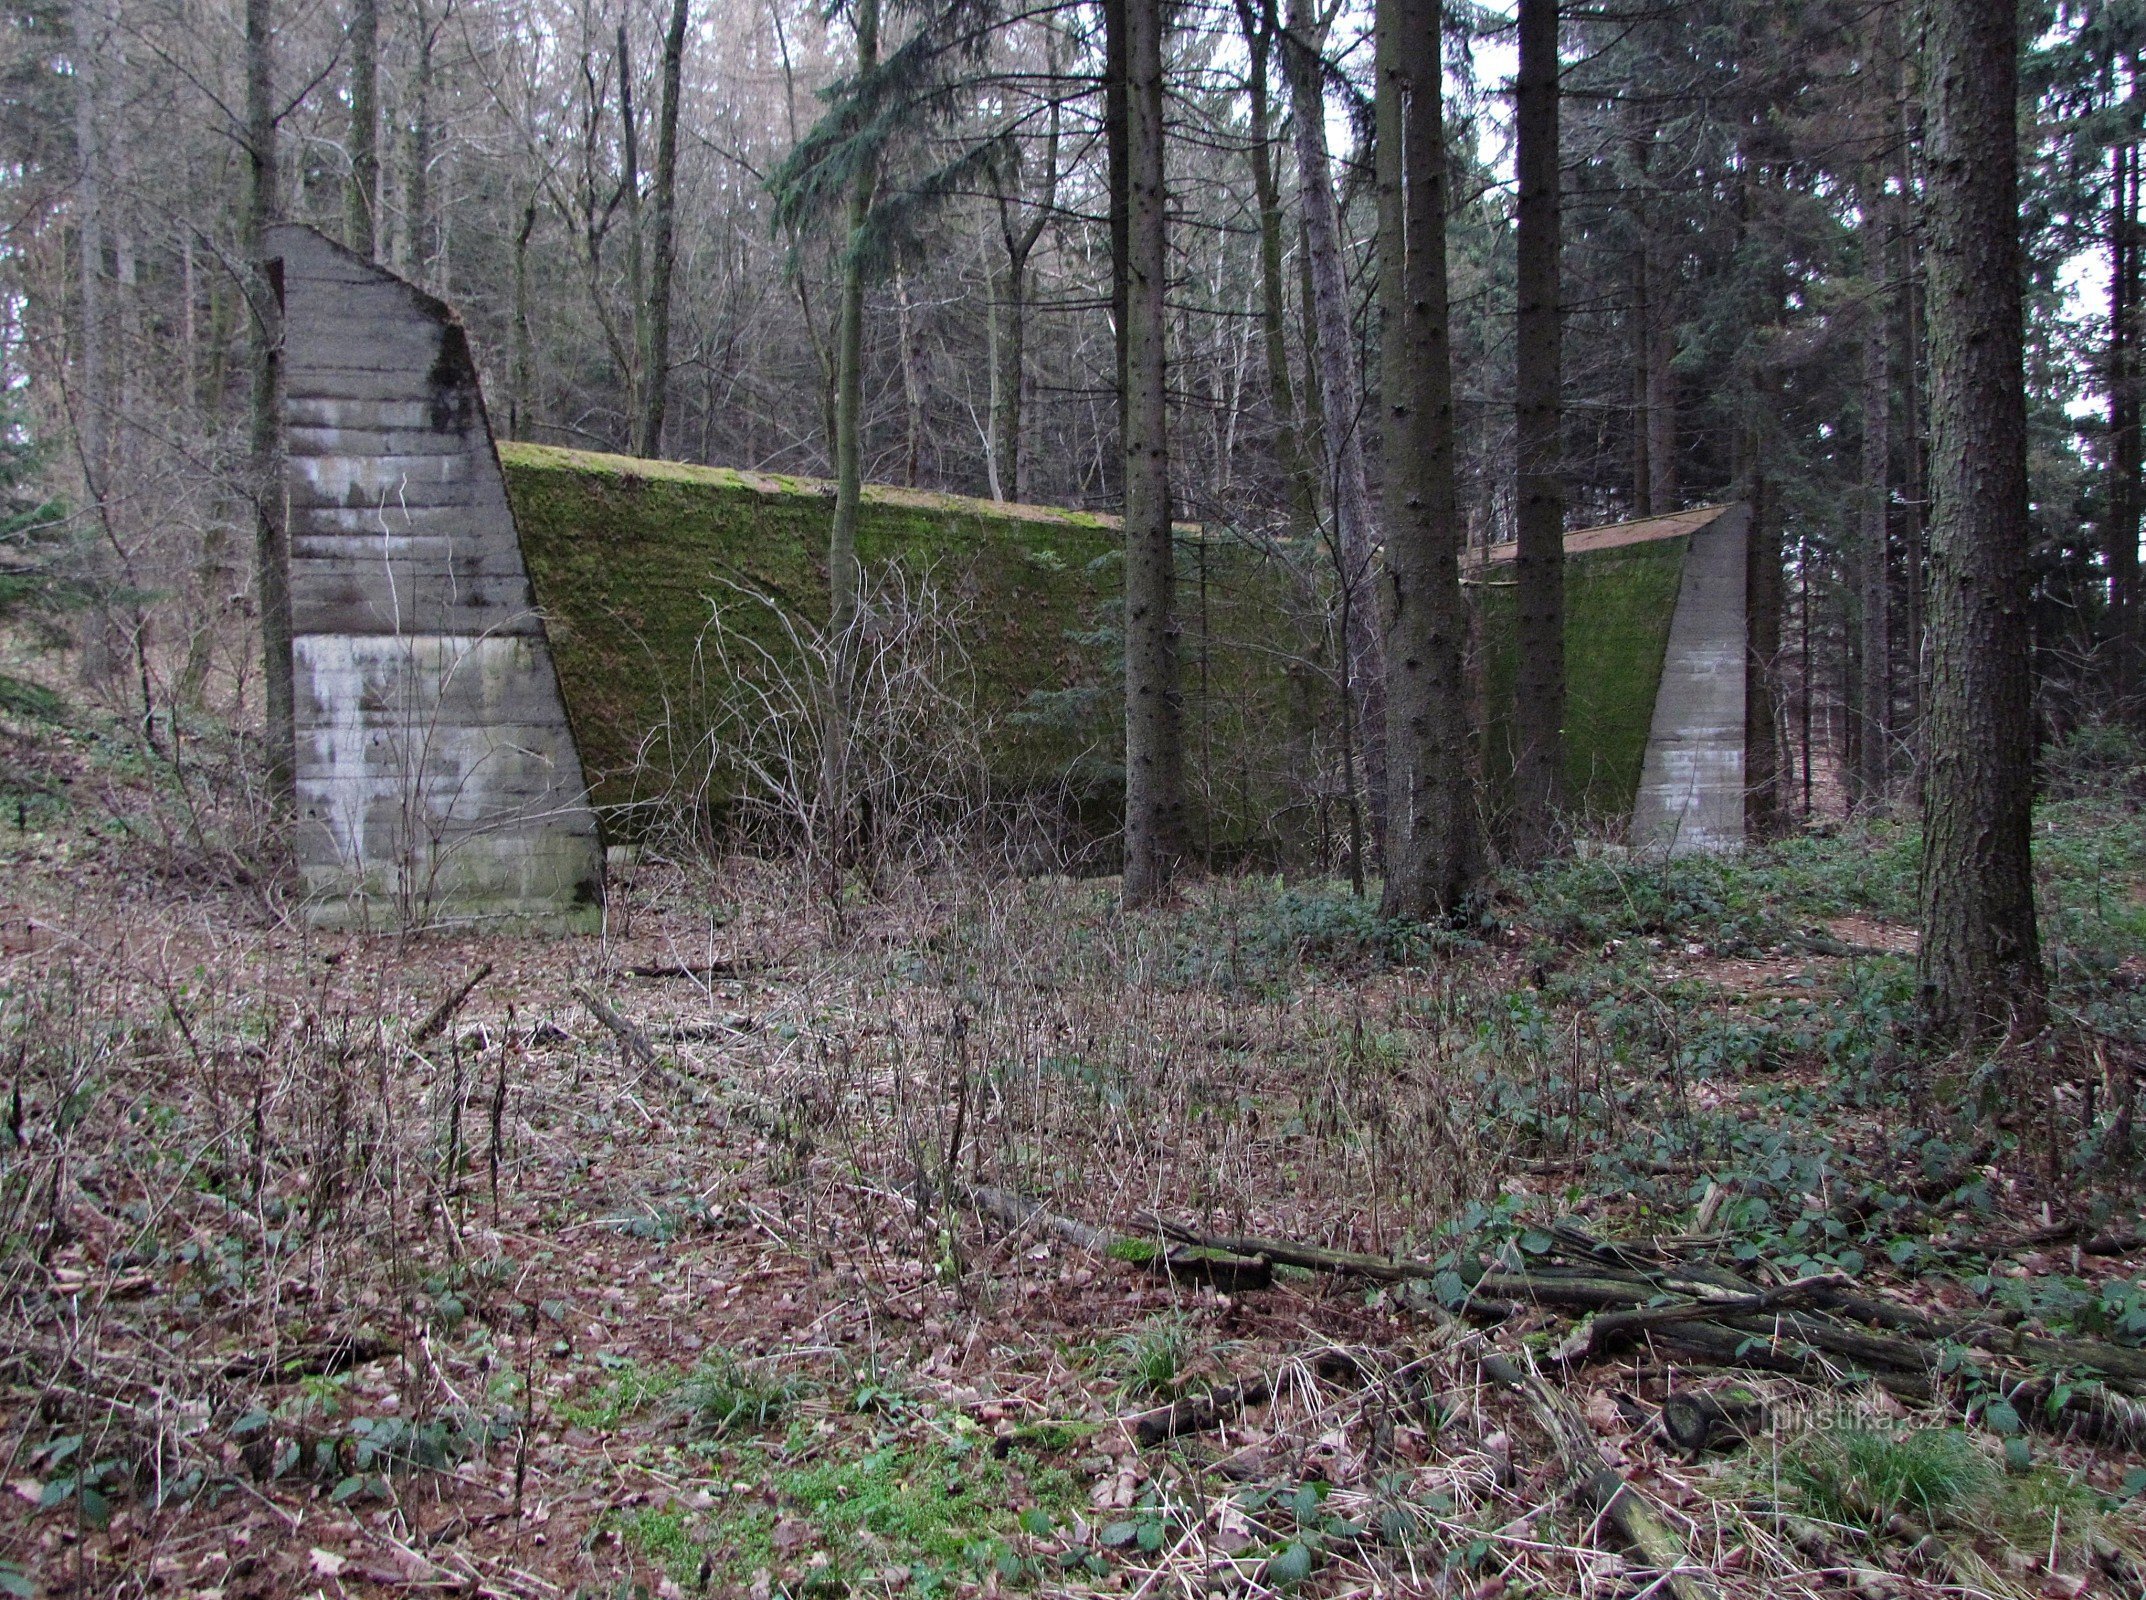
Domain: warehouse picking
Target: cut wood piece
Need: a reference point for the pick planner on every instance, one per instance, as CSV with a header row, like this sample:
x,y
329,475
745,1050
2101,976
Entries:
x,y
1621,1509
1643,1529
1200,1413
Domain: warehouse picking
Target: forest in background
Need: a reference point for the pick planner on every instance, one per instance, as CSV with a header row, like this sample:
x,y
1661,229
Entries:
x,y
887,1213
1740,306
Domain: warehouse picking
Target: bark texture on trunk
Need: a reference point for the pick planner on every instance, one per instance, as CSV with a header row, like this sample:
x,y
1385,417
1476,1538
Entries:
x,y
636,266
416,262
1762,638
1009,351
1335,373
271,550
849,365
1538,719
1154,717
362,195
2125,444
1260,31
1874,695
1979,966
663,246
1431,856
522,399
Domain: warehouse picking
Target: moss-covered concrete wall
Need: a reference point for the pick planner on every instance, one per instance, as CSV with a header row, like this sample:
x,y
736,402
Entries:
x,y
1618,606
631,558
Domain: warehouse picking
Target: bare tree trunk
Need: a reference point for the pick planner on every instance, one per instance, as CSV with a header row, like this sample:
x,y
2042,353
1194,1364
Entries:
x,y
519,403
362,194
1979,964
90,37
1662,488
1154,715
1874,551
630,189
849,365
2125,494
1908,329
1009,372
1539,678
1260,32
1336,376
1431,856
842,575
1642,320
656,342
271,534
912,359
1762,626
416,263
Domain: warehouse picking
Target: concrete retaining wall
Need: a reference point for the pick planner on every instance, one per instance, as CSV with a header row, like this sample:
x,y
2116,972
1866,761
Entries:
x,y
1691,787
437,777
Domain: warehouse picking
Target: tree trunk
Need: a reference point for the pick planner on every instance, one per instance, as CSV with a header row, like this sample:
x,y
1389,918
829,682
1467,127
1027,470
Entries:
x,y
1539,679
1116,154
1154,733
842,575
1431,856
849,364
656,344
629,130
1336,376
416,261
271,533
1662,487
2124,498
1642,320
519,400
362,195
911,342
1009,368
1762,626
1979,965
1874,548
1260,32
1908,330
90,37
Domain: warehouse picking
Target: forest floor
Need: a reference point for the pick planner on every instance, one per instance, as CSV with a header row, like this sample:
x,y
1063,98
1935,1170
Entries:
x,y
700,1257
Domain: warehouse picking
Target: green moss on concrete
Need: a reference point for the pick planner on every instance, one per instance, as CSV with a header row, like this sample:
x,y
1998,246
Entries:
x,y
1618,606
629,558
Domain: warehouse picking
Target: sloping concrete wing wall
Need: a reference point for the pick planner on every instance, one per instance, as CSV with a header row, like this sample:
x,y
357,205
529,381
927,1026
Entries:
x,y
1691,786
437,778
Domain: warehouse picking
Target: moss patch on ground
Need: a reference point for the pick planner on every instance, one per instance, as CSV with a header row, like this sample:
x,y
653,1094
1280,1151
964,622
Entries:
x,y
903,1516
1618,606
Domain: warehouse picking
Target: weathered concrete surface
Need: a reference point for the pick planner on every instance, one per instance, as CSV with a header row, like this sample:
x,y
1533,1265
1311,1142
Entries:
x,y
437,776
1691,787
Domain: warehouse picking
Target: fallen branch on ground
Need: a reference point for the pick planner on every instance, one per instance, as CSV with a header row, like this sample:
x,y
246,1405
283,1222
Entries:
x,y
440,1015
1228,1270
632,1042
1199,1413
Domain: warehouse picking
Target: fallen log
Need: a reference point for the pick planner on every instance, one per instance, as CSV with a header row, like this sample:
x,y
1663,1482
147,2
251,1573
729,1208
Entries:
x,y
1230,1271
440,1015
632,1042
1619,1507
1200,1413
1641,1527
